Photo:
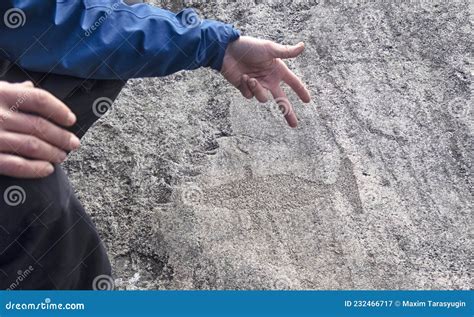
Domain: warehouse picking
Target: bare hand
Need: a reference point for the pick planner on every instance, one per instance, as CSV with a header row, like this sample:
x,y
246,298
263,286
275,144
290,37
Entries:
x,y
29,140
255,66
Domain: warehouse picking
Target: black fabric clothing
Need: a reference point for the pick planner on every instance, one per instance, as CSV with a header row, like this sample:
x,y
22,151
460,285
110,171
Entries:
x,y
48,239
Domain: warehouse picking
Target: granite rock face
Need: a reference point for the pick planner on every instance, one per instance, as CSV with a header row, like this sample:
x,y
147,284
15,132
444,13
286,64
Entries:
x,y
194,187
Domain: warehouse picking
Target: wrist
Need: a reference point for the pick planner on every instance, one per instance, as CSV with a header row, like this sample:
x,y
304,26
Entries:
x,y
228,56
220,38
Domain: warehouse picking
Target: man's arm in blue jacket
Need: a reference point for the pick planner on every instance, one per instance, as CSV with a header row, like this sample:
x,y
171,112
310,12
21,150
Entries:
x,y
107,39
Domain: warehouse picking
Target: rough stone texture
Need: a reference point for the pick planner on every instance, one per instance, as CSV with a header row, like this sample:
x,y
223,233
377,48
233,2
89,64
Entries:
x,y
194,187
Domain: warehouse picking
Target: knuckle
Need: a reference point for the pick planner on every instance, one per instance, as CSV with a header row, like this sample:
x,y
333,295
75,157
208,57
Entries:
x,y
3,95
270,48
39,125
41,97
65,141
3,116
32,146
268,45
4,85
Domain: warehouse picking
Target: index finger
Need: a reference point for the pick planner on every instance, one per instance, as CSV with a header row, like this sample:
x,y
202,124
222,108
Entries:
x,y
297,85
38,101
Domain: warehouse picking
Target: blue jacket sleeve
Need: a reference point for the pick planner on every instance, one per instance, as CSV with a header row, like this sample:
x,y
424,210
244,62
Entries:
x,y
107,39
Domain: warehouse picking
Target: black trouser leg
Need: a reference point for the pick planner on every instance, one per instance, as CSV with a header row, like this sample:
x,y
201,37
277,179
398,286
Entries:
x,y
47,241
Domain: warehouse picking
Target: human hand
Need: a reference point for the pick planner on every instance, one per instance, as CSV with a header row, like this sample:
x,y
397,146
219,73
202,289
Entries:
x,y
255,66
29,140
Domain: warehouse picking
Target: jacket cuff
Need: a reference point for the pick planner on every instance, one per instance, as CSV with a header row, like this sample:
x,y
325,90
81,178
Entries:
x,y
217,37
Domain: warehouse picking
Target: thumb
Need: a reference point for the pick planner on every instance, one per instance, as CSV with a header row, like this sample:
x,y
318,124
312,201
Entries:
x,y
286,51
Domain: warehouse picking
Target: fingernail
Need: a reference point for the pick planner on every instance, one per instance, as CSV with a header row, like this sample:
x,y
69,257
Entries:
x,y
49,169
71,118
74,142
253,83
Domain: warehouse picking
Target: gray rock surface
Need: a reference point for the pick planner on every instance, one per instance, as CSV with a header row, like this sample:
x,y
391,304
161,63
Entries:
x,y
194,187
